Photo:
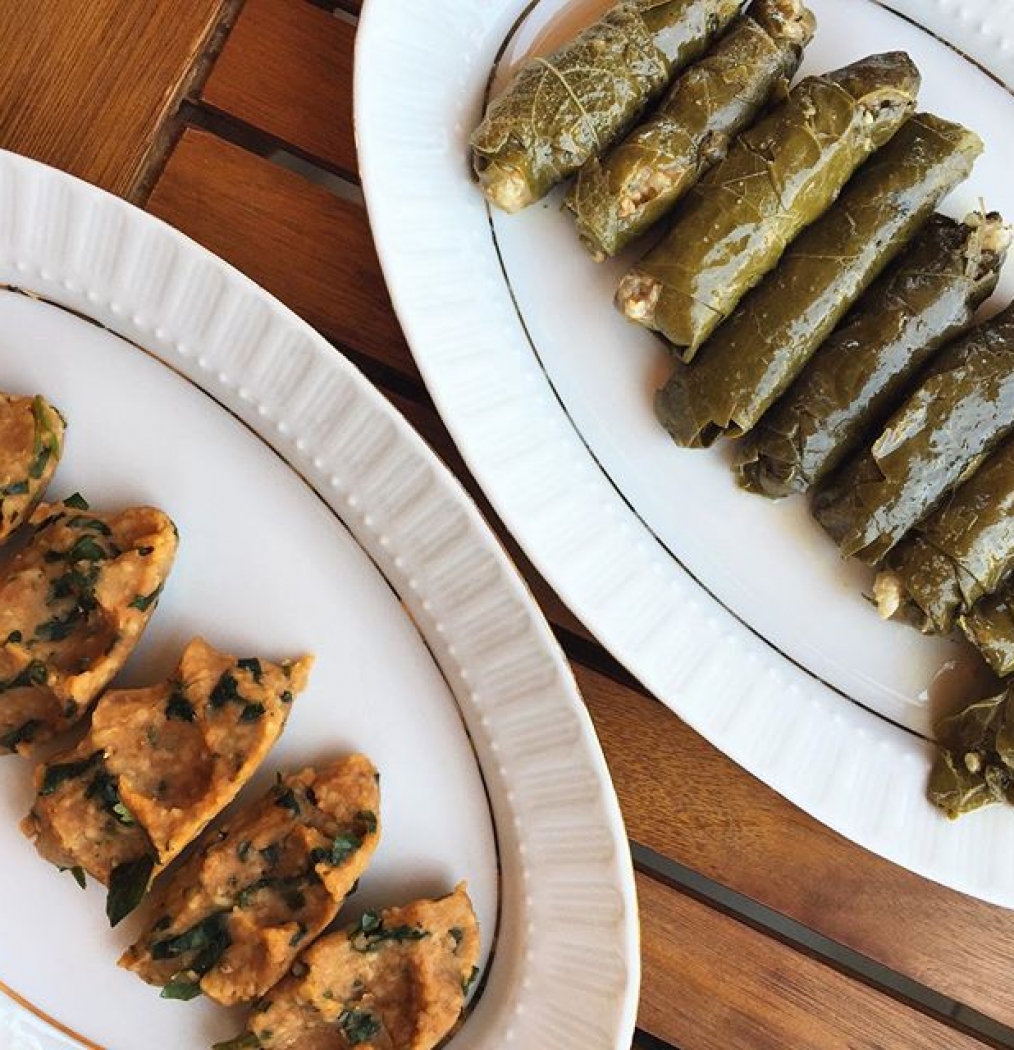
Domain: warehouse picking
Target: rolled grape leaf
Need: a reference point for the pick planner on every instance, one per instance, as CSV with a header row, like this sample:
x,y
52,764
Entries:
x,y
975,766
778,177
560,110
617,198
960,412
958,554
989,626
849,387
754,357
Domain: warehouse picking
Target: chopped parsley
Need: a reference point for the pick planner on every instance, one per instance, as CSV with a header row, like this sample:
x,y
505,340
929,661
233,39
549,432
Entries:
x,y
23,734
104,788
286,799
370,934
33,673
128,883
253,666
181,987
226,689
77,501
359,1026
58,775
143,602
78,874
179,707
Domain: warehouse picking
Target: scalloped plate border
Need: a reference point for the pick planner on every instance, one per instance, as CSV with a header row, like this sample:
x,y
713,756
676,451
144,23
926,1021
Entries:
x,y
856,772
567,899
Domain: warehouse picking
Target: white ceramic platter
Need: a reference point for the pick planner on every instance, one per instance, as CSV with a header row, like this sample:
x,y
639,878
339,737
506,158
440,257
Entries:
x,y
738,613
312,518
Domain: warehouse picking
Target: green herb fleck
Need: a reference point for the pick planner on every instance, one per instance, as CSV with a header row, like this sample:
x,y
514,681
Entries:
x,y
104,788
143,602
367,820
298,936
286,696
34,673
467,983
286,799
83,521
244,849
85,548
78,874
23,734
13,638
77,501
371,933
226,690
128,884
182,987
252,713
359,1026
206,941
253,665
15,488
56,776
180,708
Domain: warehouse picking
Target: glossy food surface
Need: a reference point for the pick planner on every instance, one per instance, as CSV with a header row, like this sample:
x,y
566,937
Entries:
x,y
959,553
754,357
562,109
855,378
779,176
937,438
618,197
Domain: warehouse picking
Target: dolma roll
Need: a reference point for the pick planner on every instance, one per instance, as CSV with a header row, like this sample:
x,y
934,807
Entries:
x,y
850,385
961,411
778,177
989,626
617,198
975,766
754,357
559,111
960,552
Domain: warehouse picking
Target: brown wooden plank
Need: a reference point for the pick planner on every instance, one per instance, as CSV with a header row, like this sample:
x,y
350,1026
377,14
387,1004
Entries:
x,y
711,983
286,69
87,86
301,242
684,799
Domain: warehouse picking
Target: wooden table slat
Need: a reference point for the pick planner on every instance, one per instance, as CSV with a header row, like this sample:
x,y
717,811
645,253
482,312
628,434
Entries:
x,y
62,104
712,983
286,70
301,242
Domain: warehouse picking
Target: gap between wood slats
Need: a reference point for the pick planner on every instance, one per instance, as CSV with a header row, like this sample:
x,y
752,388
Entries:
x,y
731,987
812,943
401,365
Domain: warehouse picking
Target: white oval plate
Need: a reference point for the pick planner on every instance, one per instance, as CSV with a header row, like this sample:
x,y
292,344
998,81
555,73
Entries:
x,y
312,518
736,612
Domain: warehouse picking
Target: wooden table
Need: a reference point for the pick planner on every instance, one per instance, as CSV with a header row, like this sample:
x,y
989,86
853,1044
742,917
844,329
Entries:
x,y
760,928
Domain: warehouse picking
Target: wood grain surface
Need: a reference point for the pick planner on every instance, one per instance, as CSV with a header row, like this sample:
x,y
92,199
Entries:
x,y
94,82
732,988
304,103
304,244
